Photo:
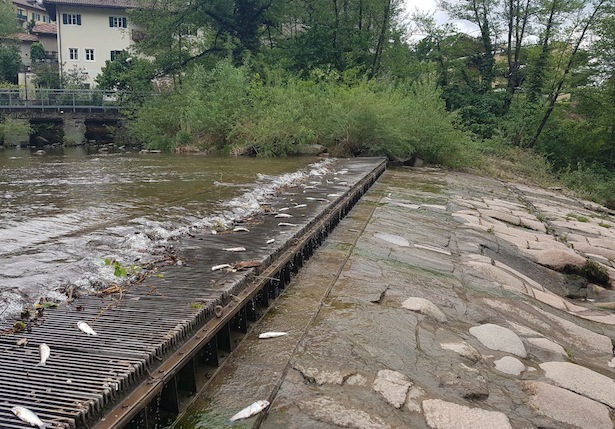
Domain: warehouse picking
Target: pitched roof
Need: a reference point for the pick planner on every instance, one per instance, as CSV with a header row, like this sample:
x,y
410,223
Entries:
x,y
24,37
44,28
29,3
123,4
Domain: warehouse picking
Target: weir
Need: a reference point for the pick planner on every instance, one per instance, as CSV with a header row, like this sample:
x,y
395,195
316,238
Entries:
x,y
161,340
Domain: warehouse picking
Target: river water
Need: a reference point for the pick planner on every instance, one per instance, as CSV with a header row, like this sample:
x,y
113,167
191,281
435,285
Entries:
x,y
64,212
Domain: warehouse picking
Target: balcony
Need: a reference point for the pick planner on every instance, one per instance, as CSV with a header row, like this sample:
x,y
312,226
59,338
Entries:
x,y
22,17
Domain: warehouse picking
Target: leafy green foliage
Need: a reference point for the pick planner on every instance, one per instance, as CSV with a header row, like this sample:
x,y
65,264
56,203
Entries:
x,y
37,52
10,62
126,73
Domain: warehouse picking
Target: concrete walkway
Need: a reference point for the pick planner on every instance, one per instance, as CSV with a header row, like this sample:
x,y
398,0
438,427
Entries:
x,y
443,301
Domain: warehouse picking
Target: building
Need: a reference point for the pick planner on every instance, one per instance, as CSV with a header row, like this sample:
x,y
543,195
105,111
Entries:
x,y
30,10
90,32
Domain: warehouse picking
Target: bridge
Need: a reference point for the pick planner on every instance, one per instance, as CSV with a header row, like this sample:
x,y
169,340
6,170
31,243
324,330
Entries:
x,y
73,111
61,100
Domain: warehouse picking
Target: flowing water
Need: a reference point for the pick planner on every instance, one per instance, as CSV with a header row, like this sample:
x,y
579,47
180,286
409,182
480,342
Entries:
x,y
63,213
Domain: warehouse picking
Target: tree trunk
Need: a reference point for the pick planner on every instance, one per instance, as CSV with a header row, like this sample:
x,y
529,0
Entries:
x,y
386,16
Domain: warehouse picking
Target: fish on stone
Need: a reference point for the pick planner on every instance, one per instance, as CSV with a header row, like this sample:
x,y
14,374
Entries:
x,y
84,327
242,265
286,224
283,209
240,229
45,352
25,415
22,342
250,411
235,249
283,215
300,206
273,334
271,240
220,267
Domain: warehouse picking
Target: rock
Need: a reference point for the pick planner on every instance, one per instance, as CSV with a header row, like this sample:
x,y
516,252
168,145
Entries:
x,y
448,415
567,407
356,380
40,152
581,380
393,386
548,345
509,365
463,349
393,239
326,410
424,306
556,259
412,403
314,375
499,338
308,149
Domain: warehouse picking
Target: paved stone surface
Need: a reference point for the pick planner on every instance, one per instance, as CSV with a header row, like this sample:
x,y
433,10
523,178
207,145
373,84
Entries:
x,y
393,386
499,338
424,306
448,415
567,407
581,380
467,245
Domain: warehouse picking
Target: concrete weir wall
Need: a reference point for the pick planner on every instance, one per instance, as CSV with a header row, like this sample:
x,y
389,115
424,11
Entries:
x,y
160,340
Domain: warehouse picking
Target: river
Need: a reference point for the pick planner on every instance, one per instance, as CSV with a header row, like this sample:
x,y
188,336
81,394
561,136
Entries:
x,y
64,212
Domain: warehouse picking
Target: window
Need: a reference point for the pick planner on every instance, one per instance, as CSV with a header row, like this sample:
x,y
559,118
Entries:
x,y
46,18
116,55
71,18
118,21
73,54
36,16
89,54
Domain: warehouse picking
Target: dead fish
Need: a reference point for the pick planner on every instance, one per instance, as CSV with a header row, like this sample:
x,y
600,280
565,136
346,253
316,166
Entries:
x,y
84,327
22,342
44,351
266,335
283,215
270,240
286,224
25,415
235,249
300,206
283,209
242,265
214,232
220,267
241,229
334,195
250,411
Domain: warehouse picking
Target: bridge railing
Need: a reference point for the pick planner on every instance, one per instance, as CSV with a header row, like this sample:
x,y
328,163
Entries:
x,y
60,99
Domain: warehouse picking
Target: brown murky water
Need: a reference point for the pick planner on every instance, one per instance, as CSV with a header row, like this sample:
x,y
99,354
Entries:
x,y
63,212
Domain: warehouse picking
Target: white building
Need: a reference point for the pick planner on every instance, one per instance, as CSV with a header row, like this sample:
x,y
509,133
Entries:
x,y
90,32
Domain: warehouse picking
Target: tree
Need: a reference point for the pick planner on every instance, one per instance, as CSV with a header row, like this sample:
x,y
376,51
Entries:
x,y
37,52
126,73
10,62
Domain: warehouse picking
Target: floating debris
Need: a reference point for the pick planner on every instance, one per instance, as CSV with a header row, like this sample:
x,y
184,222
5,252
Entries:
x,y
283,215
271,240
45,352
220,267
22,342
240,229
25,415
84,327
235,249
250,411
247,264
266,335
286,224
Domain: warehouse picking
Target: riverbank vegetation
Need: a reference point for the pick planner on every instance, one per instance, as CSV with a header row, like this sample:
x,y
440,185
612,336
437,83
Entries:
x,y
530,88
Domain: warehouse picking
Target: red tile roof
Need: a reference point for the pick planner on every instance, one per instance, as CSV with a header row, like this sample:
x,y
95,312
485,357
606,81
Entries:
x,y
44,28
29,3
24,37
123,4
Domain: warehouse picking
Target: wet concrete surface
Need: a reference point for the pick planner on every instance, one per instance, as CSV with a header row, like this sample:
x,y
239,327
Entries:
x,y
511,267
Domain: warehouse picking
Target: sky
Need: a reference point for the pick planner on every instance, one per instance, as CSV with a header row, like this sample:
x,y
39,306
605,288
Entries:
x,y
429,6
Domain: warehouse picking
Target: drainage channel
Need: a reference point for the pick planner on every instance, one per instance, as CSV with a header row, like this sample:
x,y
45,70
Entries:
x,y
160,343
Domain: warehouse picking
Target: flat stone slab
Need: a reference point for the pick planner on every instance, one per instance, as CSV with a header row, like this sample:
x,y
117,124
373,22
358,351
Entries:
x,y
567,407
548,345
499,338
424,306
393,386
448,415
463,349
393,239
581,380
328,411
509,365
